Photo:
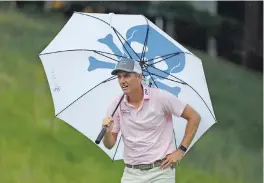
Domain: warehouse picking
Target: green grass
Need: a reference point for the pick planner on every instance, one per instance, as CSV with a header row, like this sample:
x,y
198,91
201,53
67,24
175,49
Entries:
x,y
33,148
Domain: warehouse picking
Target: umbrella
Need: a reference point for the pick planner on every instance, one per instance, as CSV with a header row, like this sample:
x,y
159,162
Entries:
x,y
79,60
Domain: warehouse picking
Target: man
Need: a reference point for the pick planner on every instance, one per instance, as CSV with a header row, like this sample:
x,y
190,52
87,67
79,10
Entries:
x,y
144,117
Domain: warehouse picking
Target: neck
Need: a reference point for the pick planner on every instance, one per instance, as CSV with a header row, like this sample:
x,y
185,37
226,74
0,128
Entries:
x,y
136,96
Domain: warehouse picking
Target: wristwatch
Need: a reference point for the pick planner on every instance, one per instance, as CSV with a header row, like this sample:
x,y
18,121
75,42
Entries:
x,y
184,149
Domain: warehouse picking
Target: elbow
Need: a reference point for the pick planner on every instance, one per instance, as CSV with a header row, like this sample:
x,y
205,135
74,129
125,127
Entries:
x,y
191,115
109,147
197,118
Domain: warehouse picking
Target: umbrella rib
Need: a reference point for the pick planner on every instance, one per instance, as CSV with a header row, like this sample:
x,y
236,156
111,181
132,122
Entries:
x,y
167,57
60,51
121,42
162,60
172,54
116,32
168,79
151,77
117,148
109,79
110,54
93,17
106,56
72,50
185,83
146,40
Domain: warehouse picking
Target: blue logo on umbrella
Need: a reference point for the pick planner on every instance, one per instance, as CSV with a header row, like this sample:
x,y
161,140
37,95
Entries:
x,y
158,48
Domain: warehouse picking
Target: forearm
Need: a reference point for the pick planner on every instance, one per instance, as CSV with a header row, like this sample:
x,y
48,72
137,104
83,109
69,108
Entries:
x,y
190,131
109,140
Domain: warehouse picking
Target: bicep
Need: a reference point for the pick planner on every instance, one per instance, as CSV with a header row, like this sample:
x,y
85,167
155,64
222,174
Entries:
x,y
189,113
171,103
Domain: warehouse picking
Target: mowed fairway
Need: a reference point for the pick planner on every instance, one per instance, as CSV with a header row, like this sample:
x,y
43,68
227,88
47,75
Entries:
x,y
36,149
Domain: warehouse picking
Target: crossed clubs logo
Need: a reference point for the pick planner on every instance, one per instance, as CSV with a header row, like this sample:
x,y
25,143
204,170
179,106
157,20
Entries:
x,y
157,64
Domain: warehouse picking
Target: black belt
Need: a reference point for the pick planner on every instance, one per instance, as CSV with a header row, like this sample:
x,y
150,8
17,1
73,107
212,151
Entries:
x,y
146,166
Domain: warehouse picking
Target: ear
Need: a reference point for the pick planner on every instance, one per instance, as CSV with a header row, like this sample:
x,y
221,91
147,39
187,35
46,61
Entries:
x,y
139,78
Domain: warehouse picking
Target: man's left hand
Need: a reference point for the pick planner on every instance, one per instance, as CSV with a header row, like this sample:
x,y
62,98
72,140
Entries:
x,y
172,159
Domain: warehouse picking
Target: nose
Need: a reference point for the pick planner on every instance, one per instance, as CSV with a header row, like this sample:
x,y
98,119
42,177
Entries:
x,y
121,80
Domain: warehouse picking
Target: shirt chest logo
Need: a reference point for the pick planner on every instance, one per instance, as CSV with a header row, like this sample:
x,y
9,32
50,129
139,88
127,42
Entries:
x,y
126,111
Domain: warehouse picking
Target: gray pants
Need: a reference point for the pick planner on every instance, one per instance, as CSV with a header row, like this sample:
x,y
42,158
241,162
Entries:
x,y
155,175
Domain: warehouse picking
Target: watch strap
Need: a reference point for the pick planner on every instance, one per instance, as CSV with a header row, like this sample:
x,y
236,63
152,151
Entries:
x,y
181,147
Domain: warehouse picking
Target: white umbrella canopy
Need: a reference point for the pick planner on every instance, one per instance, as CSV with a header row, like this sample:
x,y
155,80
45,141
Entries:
x,y
79,60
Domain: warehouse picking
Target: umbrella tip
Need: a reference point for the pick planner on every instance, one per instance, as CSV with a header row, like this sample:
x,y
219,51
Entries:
x,y
110,21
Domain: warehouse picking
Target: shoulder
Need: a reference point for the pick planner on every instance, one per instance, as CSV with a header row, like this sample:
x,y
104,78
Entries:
x,y
163,96
116,99
113,104
159,93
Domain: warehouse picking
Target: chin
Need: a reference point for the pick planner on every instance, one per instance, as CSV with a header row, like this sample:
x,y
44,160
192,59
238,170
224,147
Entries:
x,y
126,92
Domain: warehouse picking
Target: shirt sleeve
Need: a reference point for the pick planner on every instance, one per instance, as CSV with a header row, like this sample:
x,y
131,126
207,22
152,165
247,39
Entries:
x,y
116,117
171,103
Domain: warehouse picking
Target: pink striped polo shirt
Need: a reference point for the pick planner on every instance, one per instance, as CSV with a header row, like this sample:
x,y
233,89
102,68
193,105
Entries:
x,y
147,132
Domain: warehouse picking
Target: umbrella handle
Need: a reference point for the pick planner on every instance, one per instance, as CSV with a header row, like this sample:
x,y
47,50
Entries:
x,y
100,136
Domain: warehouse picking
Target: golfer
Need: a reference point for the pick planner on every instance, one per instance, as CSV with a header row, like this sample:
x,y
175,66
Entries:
x,y
144,118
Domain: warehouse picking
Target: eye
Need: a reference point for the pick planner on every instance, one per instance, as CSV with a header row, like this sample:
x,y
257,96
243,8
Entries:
x,y
138,47
160,64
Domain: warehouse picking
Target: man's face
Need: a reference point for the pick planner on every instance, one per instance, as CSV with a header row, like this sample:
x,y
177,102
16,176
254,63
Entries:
x,y
129,81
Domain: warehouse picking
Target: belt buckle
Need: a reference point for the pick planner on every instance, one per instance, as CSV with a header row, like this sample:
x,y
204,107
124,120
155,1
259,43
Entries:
x,y
146,167
158,162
